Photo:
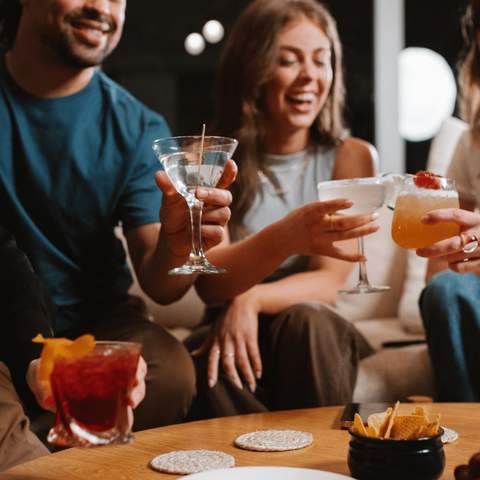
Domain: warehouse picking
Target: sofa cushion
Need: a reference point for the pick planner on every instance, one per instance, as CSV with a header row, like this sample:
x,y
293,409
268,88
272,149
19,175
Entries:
x,y
379,330
394,374
408,308
385,266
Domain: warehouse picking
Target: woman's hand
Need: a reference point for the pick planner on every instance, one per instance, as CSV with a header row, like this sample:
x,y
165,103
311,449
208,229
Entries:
x,y
455,250
314,228
44,396
233,343
175,217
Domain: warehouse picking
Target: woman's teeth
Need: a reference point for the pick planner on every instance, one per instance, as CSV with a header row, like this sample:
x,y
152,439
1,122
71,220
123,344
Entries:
x,y
302,98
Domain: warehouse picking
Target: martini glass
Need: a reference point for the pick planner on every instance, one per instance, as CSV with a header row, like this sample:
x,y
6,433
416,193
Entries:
x,y
368,195
192,162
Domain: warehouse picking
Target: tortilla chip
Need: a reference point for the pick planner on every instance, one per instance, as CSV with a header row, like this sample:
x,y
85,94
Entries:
x,y
379,420
404,426
391,419
372,432
358,425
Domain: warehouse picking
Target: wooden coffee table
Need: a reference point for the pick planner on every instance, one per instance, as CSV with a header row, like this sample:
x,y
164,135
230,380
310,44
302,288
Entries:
x,y
329,451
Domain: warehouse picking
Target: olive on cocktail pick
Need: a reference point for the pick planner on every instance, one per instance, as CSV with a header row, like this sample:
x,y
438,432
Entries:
x,y
474,465
462,472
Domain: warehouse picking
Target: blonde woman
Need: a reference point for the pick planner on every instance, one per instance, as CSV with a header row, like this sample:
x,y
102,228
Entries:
x,y
274,343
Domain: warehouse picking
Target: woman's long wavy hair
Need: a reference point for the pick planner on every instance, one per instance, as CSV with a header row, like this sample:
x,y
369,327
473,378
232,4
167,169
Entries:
x,y
246,65
469,72
10,11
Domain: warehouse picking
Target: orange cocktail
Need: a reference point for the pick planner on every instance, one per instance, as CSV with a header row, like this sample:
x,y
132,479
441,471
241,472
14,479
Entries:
x,y
414,201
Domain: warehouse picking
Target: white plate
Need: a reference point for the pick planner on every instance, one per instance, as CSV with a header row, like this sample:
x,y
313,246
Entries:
x,y
270,473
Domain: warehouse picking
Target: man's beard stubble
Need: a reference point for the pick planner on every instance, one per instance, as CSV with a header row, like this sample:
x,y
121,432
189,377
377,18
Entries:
x,y
75,53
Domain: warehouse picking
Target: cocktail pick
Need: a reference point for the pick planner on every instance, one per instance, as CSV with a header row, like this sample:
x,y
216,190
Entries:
x,y
201,150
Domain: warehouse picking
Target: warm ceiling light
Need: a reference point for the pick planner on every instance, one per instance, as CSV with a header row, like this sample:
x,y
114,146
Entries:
x,y
194,44
213,31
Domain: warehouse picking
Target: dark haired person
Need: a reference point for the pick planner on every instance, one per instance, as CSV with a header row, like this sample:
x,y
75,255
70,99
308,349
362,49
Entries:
x,y
281,93
450,304
26,310
75,161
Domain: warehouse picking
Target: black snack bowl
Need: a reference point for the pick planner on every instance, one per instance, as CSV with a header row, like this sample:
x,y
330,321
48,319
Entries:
x,y
379,459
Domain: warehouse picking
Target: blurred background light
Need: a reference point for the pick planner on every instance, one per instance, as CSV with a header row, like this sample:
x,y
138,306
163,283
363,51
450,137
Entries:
x,y
213,31
194,44
427,93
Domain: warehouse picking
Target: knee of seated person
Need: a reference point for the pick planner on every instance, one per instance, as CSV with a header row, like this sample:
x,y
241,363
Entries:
x,y
306,316
442,288
442,292
170,366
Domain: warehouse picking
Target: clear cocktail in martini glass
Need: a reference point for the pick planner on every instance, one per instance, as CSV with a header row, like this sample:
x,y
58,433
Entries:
x,y
192,162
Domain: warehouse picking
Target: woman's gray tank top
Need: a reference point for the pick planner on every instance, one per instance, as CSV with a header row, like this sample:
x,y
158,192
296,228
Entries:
x,y
298,175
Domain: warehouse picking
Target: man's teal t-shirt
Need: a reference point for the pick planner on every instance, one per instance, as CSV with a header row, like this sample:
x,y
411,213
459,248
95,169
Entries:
x,y
71,169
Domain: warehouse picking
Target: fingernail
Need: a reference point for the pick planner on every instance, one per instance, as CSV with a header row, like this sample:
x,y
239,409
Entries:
x,y
202,193
375,215
239,385
252,387
258,374
211,382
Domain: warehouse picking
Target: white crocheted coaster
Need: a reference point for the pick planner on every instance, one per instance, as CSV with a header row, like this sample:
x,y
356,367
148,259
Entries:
x,y
274,440
449,435
183,462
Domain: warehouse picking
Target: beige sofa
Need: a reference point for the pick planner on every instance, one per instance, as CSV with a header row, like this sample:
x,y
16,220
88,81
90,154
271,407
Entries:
x,y
390,373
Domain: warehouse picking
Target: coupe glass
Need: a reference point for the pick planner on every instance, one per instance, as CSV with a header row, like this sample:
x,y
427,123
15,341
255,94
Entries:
x,y
368,195
191,163
412,203
91,395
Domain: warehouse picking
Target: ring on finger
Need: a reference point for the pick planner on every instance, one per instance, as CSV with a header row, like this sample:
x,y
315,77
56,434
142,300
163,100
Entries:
x,y
330,222
469,244
228,355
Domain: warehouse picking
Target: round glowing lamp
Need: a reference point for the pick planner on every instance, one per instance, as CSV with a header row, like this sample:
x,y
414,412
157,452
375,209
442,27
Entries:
x,y
213,31
427,93
194,44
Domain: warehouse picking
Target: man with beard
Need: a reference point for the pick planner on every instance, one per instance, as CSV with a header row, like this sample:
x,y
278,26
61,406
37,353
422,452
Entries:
x,y
76,160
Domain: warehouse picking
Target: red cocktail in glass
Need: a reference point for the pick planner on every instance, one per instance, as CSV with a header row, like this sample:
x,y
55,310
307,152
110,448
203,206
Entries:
x,y
91,395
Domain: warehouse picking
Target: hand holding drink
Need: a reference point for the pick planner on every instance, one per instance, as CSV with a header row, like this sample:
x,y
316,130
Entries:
x,y
460,251
91,385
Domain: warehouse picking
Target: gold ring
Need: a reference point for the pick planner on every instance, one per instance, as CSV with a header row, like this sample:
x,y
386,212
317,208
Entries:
x,y
470,244
330,222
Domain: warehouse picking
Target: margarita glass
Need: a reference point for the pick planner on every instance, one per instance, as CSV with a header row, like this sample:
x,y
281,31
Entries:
x,y
192,162
91,395
368,195
412,203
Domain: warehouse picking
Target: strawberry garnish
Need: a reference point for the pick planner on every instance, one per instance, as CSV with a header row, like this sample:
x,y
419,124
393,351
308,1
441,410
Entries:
x,y
425,179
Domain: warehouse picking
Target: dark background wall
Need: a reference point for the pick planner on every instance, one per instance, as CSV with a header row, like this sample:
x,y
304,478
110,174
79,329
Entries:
x,y
152,63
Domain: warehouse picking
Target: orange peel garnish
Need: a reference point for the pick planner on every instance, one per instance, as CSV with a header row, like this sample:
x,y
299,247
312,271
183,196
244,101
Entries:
x,y
55,348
